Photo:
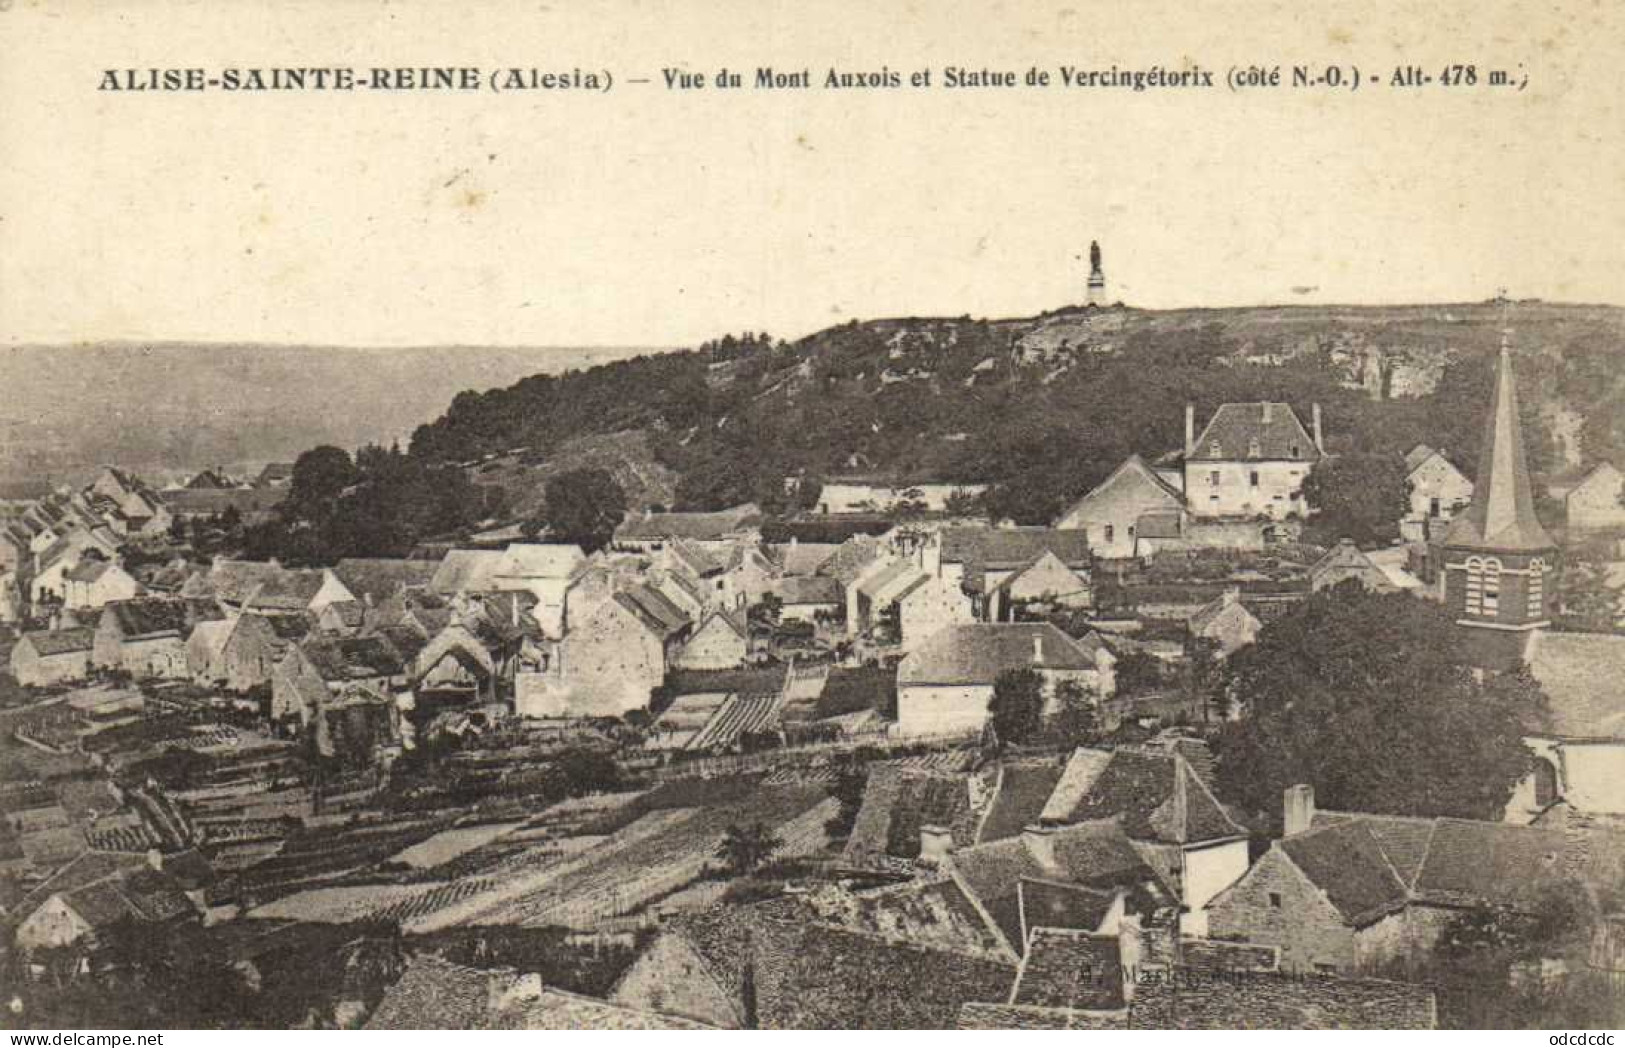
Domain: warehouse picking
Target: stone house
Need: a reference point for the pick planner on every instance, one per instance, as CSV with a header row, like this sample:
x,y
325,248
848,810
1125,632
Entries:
x,y
945,684
1047,580
1165,805
1345,892
1579,747
721,641
804,598
978,559
146,637
1114,513
46,657
610,663
374,580
1343,562
92,583
314,672
203,651
455,660
1249,461
1595,501
649,532
543,570
1438,491
255,645
1226,622
286,592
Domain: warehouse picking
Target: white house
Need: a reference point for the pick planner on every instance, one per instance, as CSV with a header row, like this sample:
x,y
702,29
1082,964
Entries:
x,y
1595,501
1112,513
1438,491
944,685
1249,461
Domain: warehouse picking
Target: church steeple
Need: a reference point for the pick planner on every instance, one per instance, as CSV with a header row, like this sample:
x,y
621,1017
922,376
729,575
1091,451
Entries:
x,y
1499,562
1502,514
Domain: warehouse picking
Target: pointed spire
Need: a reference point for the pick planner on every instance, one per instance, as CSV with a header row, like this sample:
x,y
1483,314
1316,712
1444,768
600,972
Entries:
x,y
1502,514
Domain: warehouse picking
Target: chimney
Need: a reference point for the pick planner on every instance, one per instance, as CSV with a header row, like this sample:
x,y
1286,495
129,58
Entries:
x,y
1269,412
1190,430
1320,445
935,844
1298,809
1038,649
1040,841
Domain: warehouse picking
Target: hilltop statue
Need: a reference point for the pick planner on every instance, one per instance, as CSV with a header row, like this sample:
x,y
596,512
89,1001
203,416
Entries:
x,y
1097,277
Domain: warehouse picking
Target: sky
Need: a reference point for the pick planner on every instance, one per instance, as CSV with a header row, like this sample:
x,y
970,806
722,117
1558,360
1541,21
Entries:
x,y
644,216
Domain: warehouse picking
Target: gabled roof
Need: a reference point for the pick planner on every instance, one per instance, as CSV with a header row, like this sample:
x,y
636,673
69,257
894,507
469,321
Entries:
x,y
382,577
156,616
1346,556
853,557
898,802
807,589
1501,517
1003,549
436,994
976,653
803,558
89,570
931,911
654,610
693,559
467,571
233,581
1416,456
1346,862
1019,796
1071,969
1225,604
349,658
286,591
47,643
1133,468
698,526
1254,432
539,560
1154,794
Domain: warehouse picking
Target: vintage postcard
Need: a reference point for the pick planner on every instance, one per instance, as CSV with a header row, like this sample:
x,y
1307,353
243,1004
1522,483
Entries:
x,y
678,515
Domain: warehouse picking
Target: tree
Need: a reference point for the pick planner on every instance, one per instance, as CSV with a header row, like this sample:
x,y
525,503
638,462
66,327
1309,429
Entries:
x,y
1017,705
320,476
1357,496
744,849
582,506
1138,672
1367,697
767,610
1587,599
1075,721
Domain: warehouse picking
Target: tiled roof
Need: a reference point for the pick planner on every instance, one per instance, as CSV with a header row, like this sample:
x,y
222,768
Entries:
x,y
286,591
382,577
1254,432
976,653
434,994
1071,969
932,912
546,560
897,803
1491,863
1346,862
154,616
821,978
466,571
1023,789
558,1010
654,609
88,570
697,526
1404,839
1580,674
346,658
1416,456
803,558
60,642
1006,548
693,559
1155,795
1051,904
852,558
808,589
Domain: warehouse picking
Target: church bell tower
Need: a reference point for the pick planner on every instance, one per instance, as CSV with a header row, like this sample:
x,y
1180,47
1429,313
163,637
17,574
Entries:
x,y
1499,564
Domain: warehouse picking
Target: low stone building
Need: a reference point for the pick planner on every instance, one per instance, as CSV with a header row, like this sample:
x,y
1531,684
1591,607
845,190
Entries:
x,y
46,657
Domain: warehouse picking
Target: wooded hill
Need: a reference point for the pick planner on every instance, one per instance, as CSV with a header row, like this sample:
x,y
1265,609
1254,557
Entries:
x,y
1042,408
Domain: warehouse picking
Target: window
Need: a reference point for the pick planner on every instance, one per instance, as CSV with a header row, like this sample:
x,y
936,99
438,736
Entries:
x,y
1433,507
1294,450
1492,586
1213,479
1111,532
1275,900
1252,478
1546,793
1214,450
1253,450
1537,588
